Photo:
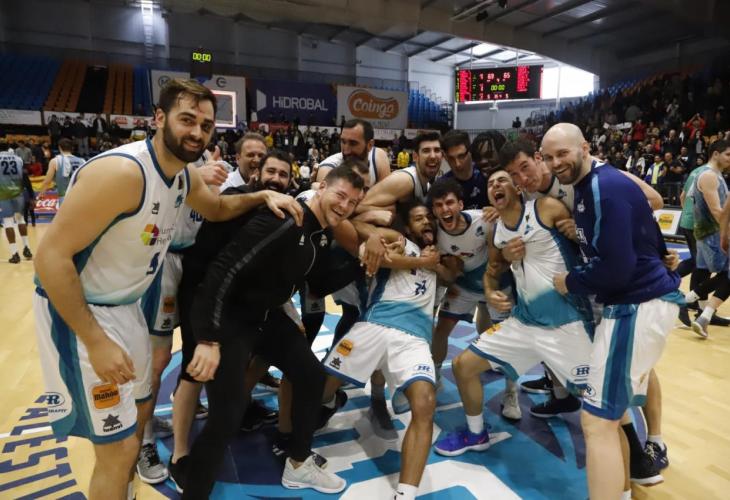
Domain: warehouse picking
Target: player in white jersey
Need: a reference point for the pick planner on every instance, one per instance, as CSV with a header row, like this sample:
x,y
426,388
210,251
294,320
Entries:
x,y
544,325
250,150
394,336
11,201
92,337
160,309
60,169
358,141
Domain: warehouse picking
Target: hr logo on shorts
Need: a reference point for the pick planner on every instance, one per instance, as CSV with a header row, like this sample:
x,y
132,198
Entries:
x,y
581,371
589,391
422,369
54,399
105,396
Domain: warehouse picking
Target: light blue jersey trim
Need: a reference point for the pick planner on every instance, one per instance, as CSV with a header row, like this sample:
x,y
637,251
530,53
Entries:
x,y
401,316
168,182
617,393
596,210
150,303
503,366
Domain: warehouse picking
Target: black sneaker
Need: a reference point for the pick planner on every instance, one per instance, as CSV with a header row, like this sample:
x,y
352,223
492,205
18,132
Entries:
x,y
657,455
644,471
719,321
554,407
538,386
326,413
15,259
684,316
178,472
257,415
27,254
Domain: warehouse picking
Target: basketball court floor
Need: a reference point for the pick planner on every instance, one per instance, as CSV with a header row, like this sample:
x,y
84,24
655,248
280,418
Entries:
x,y
532,458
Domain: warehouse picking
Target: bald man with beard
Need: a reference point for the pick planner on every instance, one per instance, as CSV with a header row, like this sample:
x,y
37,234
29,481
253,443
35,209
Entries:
x,y
622,249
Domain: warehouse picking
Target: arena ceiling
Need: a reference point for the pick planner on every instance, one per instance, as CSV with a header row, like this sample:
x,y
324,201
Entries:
x,y
595,35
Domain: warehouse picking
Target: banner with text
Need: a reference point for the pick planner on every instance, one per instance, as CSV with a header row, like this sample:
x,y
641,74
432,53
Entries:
x,y
383,108
20,117
311,103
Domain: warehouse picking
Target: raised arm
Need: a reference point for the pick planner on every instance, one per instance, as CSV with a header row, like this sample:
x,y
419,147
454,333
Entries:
x,y
386,193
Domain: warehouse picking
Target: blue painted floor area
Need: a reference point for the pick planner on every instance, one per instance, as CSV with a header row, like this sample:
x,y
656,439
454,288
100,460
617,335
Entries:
x,y
532,458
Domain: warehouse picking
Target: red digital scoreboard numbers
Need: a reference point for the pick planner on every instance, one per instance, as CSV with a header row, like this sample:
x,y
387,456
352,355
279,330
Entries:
x,y
498,84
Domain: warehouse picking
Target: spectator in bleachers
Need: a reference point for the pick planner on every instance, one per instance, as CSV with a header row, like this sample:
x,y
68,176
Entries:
x,y
516,123
54,130
695,125
80,134
638,131
24,152
674,178
656,172
99,127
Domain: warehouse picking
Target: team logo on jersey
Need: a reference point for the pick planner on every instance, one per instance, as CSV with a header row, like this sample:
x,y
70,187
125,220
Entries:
x,y
561,194
528,228
301,241
323,241
336,363
454,249
156,208
150,234
581,236
111,423
475,192
580,207
345,347
480,231
105,396
179,200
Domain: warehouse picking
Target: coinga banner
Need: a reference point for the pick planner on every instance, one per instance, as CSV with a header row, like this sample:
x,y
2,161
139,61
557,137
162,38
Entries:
x,y
313,103
383,108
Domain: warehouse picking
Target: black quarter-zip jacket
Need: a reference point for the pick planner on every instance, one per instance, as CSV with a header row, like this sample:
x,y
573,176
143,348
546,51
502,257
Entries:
x,y
255,263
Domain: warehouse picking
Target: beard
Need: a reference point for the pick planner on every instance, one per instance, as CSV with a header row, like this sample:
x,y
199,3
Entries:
x,y
175,146
363,156
273,186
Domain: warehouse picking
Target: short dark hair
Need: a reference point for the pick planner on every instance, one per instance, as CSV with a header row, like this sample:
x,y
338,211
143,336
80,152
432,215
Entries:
x,y
425,137
66,144
175,88
454,138
497,170
718,146
249,136
345,173
511,150
494,140
356,164
367,127
404,211
444,186
277,154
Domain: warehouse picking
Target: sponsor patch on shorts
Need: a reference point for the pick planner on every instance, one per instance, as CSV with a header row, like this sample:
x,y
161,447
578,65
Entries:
x,y
168,304
345,347
105,396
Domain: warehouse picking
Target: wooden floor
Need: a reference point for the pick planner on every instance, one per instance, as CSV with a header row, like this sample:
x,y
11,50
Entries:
x,y
695,378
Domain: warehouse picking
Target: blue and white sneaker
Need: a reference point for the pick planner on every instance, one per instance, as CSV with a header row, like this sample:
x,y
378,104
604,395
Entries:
x,y
460,441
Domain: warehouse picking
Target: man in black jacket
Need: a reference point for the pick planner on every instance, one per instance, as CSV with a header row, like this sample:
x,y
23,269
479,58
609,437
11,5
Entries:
x,y
241,306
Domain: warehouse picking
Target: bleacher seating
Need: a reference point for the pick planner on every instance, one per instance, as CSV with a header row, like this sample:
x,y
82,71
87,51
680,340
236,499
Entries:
x,y
424,111
26,80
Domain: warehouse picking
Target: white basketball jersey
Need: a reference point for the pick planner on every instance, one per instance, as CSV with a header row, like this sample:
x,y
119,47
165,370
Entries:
x,y
471,247
336,160
403,299
121,263
561,192
189,221
307,195
547,254
418,192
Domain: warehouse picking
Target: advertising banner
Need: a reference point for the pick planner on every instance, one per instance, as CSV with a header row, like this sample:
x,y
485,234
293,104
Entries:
x,y
312,103
20,117
668,220
383,108
129,122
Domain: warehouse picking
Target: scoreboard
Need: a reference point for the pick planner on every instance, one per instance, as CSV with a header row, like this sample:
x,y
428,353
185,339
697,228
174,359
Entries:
x,y
201,64
498,84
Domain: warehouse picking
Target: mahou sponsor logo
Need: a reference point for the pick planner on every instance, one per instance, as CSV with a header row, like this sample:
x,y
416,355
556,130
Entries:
x,y
363,104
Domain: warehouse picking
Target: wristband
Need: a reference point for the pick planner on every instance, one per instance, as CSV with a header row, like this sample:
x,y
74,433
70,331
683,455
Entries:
x,y
210,343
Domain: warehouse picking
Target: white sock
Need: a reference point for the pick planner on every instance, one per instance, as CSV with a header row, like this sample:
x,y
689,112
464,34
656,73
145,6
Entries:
x,y
656,439
130,490
626,495
707,313
149,433
691,296
13,248
475,423
406,491
25,240
702,303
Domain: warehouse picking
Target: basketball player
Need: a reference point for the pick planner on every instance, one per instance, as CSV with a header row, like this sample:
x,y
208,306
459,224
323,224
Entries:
x,y
238,308
60,169
160,309
11,201
544,325
463,234
250,150
92,336
393,336
456,145
357,140
623,248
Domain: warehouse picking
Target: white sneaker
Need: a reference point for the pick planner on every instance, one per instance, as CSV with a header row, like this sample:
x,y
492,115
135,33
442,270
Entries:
x,y
511,406
308,475
150,468
161,427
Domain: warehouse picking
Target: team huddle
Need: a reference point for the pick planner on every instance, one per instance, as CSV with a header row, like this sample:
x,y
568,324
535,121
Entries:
x,y
556,254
